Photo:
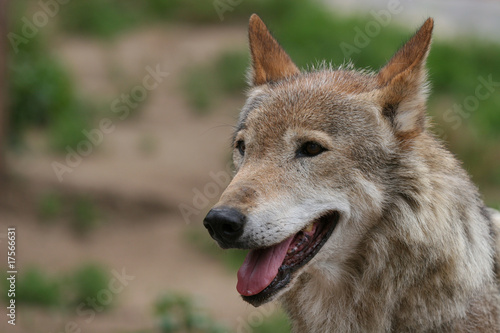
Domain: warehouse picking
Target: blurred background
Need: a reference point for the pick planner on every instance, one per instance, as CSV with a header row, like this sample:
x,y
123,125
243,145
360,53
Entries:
x,y
115,123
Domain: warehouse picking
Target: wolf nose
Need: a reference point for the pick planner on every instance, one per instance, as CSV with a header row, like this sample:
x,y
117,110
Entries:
x,y
225,224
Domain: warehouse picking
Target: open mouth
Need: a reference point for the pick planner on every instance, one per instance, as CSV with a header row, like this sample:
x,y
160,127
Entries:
x,y
266,271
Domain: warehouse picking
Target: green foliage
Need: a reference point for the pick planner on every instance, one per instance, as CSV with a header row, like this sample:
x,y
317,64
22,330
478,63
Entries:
x,y
199,90
178,313
85,216
164,9
81,212
36,288
107,19
41,93
205,84
65,130
98,18
50,206
195,11
88,281
230,70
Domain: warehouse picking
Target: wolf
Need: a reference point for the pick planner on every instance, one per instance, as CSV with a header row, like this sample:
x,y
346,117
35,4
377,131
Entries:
x,y
356,218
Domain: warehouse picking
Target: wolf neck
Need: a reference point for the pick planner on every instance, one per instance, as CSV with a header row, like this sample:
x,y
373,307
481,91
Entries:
x,y
424,265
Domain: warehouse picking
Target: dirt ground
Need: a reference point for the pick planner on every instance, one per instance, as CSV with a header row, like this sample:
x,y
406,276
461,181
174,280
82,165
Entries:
x,y
143,231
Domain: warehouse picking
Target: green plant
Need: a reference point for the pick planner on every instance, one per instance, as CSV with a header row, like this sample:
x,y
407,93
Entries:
x,y
204,84
85,216
50,206
199,89
36,288
178,313
107,19
98,18
88,281
42,94
230,69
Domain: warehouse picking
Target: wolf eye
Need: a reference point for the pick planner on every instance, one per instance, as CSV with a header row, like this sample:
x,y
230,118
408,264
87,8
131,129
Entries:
x,y
310,149
241,147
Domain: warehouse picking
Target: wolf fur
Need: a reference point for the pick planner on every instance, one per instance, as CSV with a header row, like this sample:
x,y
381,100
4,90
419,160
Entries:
x,y
415,248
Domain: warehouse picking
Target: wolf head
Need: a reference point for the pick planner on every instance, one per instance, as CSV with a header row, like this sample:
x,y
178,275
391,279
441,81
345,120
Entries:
x,y
318,156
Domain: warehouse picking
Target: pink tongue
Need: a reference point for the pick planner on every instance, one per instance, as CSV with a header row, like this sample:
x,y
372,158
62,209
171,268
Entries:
x,y
261,267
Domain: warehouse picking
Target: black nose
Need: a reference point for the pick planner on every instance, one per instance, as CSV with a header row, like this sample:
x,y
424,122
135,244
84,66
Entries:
x,y
225,225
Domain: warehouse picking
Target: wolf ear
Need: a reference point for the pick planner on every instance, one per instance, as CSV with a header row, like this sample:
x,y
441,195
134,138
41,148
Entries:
x,y
269,61
403,86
